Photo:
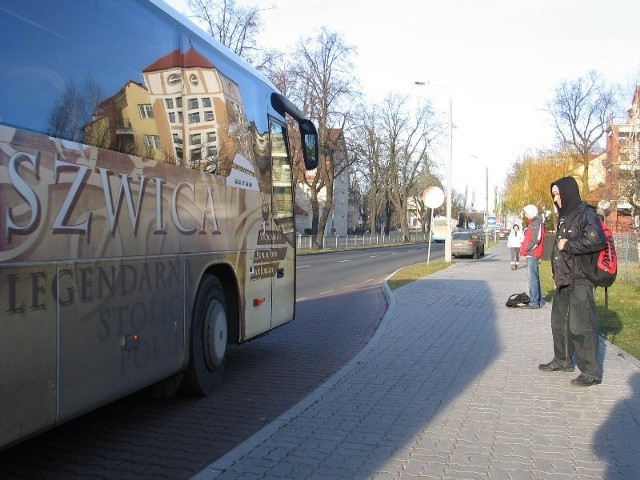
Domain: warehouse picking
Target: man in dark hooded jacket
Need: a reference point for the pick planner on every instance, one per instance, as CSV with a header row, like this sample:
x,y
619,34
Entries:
x,y
573,313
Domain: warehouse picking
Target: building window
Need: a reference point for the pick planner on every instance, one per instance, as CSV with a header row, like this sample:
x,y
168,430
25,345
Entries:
x,y
193,103
178,102
176,139
208,116
211,137
193,78
195,139
212,151
206,102
172,117
169,103
173,79
152,142
194,118
145,110
196,155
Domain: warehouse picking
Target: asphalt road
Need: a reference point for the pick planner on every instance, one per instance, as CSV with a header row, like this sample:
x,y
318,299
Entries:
x,y
340,304
325,272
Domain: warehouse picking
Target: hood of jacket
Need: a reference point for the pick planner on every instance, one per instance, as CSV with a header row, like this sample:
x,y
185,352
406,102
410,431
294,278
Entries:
x,y
569,195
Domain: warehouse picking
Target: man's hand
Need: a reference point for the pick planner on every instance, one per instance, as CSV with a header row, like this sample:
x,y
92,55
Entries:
x,y
561,243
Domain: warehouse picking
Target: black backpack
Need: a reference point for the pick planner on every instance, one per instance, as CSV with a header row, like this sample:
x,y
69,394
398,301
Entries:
x,y
517,300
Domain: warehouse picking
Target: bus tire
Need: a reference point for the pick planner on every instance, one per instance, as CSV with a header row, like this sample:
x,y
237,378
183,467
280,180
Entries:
x,y
208,341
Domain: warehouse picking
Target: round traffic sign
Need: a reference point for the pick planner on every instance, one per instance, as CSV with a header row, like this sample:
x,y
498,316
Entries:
x,y
433,197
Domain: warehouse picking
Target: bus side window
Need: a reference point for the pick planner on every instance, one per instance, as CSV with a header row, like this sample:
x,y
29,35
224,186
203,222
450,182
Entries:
x,y
282,188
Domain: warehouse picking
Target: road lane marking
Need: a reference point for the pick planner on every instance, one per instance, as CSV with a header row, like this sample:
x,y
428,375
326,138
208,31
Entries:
x,y
303,266
342,261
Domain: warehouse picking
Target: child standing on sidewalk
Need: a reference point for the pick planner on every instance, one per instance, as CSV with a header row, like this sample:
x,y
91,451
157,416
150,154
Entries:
x,y
514,242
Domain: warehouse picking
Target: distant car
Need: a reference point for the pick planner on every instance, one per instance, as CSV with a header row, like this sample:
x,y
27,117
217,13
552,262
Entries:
x,y
467,243
503,233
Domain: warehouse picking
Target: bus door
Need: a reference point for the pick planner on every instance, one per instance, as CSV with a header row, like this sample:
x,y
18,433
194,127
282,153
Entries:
x,y
283,228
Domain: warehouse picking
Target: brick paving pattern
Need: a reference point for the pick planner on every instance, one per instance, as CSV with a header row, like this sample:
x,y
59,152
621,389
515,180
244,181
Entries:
x,y
449,388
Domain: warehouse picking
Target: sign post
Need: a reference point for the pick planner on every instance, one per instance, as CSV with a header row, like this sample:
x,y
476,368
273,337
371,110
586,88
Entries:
x,y
433,197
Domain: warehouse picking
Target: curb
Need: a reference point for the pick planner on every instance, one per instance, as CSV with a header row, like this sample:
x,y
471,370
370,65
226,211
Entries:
x,y
219,466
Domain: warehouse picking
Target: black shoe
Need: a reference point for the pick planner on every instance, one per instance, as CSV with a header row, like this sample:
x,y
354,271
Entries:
x,y
584,380
554,366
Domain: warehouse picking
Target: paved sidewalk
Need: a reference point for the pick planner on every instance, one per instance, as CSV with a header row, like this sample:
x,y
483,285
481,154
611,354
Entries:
x,y
449,387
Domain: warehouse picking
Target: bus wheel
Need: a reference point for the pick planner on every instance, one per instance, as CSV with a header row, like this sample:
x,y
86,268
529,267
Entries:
x,y
208,341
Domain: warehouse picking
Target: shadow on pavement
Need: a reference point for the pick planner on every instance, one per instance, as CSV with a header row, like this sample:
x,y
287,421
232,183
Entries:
x,y
615,436
139,437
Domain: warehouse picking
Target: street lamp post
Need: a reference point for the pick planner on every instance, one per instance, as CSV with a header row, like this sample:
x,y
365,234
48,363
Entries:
x,y
447,238
486,193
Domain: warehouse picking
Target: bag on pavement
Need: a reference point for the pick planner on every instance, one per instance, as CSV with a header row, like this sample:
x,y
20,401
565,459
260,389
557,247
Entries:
x,y
517,300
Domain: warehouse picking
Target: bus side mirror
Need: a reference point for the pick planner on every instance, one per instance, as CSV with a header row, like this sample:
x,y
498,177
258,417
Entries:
x,y
309,138
308,132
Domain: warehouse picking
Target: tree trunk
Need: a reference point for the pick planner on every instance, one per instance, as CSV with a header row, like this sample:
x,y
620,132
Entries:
x,y
326,210
404,226
585,179
315,209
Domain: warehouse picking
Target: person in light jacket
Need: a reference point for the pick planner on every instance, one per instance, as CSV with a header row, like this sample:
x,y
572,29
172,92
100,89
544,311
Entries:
x,y
514,241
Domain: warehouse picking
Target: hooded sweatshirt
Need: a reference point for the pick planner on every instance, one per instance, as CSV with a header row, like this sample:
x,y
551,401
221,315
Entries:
x,y
569,193
580,225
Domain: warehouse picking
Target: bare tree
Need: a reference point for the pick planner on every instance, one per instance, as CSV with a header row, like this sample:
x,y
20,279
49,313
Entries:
x,y
74,109
366,147
580,109
324,87
235,26
408,138
392,143
424,180
281,72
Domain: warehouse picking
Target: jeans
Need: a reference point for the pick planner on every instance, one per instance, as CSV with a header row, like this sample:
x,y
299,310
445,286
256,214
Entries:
x,y
535,294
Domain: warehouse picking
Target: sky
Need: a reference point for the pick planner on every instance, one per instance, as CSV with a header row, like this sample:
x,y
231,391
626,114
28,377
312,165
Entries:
x,y
498,61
